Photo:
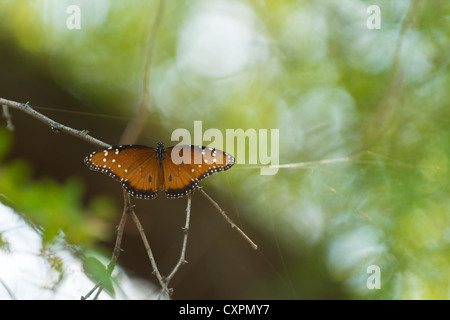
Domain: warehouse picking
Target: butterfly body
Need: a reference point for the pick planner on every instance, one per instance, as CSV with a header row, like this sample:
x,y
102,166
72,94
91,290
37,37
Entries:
x,y
143,171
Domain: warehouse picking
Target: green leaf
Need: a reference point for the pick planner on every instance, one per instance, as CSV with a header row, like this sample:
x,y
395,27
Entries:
x,y
98,272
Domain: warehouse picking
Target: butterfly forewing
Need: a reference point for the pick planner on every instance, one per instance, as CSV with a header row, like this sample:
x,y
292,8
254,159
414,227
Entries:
x,y
136,167
181,179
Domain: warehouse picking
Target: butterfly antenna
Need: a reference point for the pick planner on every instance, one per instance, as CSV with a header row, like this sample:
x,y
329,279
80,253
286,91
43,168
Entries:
x,y
233,225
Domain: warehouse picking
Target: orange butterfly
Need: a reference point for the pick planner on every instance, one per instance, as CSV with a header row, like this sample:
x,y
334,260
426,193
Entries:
x,y
143,171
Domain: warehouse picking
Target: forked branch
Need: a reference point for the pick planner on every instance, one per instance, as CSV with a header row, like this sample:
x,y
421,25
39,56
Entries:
x,y
128,209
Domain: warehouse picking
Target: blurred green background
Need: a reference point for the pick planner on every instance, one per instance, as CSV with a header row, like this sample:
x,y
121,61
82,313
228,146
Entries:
x,y
375,98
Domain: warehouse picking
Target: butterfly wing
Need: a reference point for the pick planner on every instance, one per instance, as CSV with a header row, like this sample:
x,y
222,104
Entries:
x,y
199,162
136,167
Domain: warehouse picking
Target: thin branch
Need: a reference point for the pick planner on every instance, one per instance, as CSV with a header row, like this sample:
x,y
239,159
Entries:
x,y
233,225
164,281
128,208
148,249
115,256
134,127
388,108
8,290
182,260
131,133
356,158
54,126
7,116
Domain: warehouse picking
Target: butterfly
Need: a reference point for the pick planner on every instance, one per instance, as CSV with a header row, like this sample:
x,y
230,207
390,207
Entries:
x,y
143,171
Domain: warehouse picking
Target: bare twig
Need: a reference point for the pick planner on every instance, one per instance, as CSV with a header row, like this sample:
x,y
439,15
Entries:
x,y
182,260
164,281
136,124
147,248
356,158
233,225
388,108
8,290
127,211
54,126
128,207
130,135
7,116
